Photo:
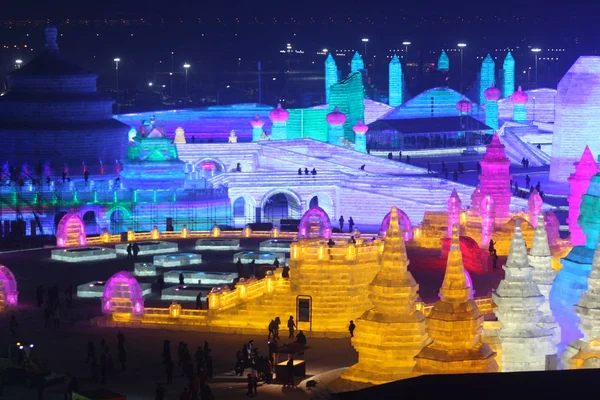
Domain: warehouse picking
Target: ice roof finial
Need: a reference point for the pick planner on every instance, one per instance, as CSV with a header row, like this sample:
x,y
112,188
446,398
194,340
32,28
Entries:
x,y
51,33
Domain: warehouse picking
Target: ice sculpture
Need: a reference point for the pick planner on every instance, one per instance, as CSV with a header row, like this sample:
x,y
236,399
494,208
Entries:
x,y
257,128
9,295
357,64
331,75
535,203
486,78
540,259
122,294
179,136
519,99
396,84
492,95
360,136
454,210
577,123
279,117
336,121
579,182
443,62
392,333
71,231
455,325
315,223
494,179
508,69
524,343
405,225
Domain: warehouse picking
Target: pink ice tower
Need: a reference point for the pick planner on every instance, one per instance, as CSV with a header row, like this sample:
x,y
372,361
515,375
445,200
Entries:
x,y
257,128
535,206
487,219
360,136
492,95
494,180
464,106
454,209
336,121
519,99
279,117
579,182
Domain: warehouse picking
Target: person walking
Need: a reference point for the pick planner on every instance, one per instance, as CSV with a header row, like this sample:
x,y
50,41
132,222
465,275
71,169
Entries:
x,y
291,326
250,385
491,248
351,328
341,221
455,176
289,367
136,249
527,180
181,279
299,171
199,301
129,251
351,224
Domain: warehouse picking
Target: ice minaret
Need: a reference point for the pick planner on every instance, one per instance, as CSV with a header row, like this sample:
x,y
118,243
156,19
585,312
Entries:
x,y
443,62
454,324
492,95
331,75
577,120
509,75
524,344
279,117
540,259
393,332
396,82
579,182
454,210
588,311
257,128
360,136
487,77
494,179
357,63
336,121
519,99
534,203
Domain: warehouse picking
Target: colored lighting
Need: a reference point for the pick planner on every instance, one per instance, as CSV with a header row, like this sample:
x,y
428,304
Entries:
x,y
508,70
487,78
396,82
357,63
443,62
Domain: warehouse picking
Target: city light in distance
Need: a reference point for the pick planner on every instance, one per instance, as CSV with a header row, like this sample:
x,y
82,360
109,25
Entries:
x,y
365,40
536,50
462,45
406,43
186,65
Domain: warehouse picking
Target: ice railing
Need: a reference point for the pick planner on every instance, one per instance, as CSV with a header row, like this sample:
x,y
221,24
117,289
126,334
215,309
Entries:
x,y
343,249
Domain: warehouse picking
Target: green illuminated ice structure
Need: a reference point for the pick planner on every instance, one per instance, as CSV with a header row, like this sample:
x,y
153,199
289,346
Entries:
x,y
331,75
152,160
336,121
396,82
443,62
508,71
348,97
487,77
357,63
279,117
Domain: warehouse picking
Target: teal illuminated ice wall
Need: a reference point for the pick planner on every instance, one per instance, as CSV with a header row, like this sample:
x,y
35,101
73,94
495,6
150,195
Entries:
x,y
491,114
487,77
395,82
348,96
357,63
309,123
331,75
509,75
443,62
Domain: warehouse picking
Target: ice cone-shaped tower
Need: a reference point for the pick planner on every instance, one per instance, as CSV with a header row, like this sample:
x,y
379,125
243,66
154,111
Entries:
x,y
455,325
331,75
540,259
494,179
524,344
588,311
508,69
487,77
179,136
579,182
392,333
357,63
396,84
443,62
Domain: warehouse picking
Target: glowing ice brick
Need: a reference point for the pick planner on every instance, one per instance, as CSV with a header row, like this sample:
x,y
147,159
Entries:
x,y
185,292
177,260
217,244
147,248
525,344
200,277
275,245
396,82
259,257
83,254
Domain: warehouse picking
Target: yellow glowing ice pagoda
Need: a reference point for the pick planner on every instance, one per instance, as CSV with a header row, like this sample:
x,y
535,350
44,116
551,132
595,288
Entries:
x,y
392,333
455,325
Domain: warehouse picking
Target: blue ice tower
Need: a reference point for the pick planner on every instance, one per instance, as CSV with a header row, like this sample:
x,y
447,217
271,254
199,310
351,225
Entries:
x,y
396,82
509,75
331,75
357,63
487,77
443,62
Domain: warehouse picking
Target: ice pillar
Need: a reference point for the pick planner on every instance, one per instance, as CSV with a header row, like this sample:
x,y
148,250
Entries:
x,y
331,75
336,121
487,77
279,117
535,206
519,99
454,209
492,95
396,85
257,128
357,63
360,136
509,75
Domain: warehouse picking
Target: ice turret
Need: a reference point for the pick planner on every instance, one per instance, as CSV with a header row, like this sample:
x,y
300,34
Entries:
x,y
443,62
579,182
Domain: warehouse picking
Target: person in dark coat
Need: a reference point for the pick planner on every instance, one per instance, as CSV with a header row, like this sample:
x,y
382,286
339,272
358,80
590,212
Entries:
x,y
351,328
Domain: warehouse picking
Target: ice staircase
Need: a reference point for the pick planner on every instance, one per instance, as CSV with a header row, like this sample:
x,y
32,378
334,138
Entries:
x,y
517,149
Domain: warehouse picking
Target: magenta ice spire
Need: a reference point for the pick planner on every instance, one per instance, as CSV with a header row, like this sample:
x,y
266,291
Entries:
x,y
494,180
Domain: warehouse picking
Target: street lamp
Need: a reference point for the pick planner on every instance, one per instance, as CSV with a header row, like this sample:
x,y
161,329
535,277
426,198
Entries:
x,y
461,46
186,66
18,63
406,44
171,74
535,51
365,41
117,60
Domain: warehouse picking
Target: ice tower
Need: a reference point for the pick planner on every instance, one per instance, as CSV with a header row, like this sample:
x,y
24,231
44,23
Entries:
x,y
487,77
492,95
494,179
360,136
508,69
579,182
454,210
455,325
393,332
535,203
519,99
443,62
357,64
540,259
336,121
331,75
524,343
396,82
279,117
577,120
257,128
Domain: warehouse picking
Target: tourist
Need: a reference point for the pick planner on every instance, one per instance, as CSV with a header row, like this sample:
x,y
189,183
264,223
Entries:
x,y
86,177
69,296
276,263
253,267
351,224
276,328
305,171
444,168
250,386
207,349
301,338
351,328
299,171
181,279
539,146
330,242
129,249
314,171
136,250
352,240
491,248
64,177
290,372
455,176
193,139
160,392
523,162
285,273
516,187
495,259
511,184
400,155
446,174
538,187
362,167
39,294
199,301
292,325
255,381
168,369
271,329
121,351
527,180
390,156
239,364
161,283
341,221
238,167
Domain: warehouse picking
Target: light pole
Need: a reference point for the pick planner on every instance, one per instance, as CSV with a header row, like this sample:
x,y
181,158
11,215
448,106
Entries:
x,y
365,41
117,60
18,63
406,44
186,66
461,46
535,51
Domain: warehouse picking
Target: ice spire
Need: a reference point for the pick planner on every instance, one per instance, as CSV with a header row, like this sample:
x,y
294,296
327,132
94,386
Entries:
x,y
487,77
443,62
331,75
357,63
509,75
455,287
454,209
396,84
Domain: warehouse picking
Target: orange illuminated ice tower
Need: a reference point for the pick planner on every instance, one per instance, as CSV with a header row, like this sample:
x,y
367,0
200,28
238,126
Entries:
x,y
389,335
455,325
